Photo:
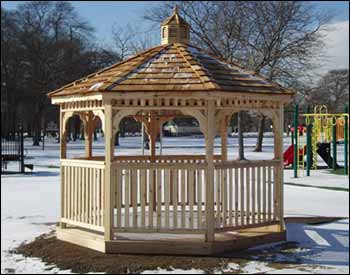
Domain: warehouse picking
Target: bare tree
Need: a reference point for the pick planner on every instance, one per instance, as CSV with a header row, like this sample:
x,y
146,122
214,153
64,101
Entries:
x,y
44,45
278,39
129,39
331,90
122,38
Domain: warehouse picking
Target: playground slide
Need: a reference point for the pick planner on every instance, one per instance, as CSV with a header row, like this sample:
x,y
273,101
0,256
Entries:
x,y
324,151
288,155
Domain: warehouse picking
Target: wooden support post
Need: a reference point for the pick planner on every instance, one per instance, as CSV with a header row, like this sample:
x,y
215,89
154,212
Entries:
x,y
89,127
223,135
109,187
152,131
153,135
63,155
278,181
63,137
209,138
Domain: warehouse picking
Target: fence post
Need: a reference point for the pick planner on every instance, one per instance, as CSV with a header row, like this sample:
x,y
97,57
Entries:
x,y
308,144
334,143
21,148
295,124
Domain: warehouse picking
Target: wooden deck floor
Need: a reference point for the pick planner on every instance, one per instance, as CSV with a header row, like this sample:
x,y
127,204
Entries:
x,y
173,244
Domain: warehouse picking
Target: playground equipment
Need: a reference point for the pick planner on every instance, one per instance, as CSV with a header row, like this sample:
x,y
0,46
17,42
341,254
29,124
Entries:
x,y
319,135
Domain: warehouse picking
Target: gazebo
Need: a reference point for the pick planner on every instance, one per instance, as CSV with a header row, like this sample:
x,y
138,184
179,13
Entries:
x,y
170,204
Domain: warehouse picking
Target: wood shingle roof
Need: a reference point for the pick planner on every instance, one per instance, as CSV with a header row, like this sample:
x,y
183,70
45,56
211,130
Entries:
x,y
171,67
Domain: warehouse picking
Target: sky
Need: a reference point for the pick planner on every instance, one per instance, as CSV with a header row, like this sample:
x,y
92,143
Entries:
x,y
103,14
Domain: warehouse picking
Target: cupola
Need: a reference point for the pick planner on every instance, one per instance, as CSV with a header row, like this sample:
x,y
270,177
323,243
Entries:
x,y
175,29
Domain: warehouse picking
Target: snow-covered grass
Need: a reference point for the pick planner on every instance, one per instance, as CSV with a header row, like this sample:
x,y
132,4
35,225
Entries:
x,y
30,207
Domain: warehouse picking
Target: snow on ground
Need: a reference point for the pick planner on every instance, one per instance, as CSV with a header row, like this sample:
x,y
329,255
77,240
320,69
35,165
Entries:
x,y
318,178
307,202
30,207
329,242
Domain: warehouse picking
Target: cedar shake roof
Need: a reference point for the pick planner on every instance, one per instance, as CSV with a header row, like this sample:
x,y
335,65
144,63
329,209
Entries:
x,y
169,68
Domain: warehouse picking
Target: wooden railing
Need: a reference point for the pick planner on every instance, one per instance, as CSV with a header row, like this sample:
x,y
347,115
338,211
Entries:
x,y
159,197
245,194
82,193
169,195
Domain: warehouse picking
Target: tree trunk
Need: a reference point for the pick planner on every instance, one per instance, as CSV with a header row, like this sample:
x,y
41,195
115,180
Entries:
x,y
95,135
116,140
259,141
36,135
82,131
36,126
240,136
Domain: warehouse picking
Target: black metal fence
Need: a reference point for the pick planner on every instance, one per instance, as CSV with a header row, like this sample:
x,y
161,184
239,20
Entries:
x,y
12,149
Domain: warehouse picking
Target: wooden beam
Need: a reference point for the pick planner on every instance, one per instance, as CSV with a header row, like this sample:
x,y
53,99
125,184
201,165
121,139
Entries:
x,y
209,138
88,131
223,134
63,154
109,187
279,181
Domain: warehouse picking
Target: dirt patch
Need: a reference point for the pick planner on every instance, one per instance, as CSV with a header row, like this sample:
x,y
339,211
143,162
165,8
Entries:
x,y
68,256
82,260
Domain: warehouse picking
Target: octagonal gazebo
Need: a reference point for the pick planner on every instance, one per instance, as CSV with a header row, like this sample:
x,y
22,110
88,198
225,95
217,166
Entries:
x,y
172,204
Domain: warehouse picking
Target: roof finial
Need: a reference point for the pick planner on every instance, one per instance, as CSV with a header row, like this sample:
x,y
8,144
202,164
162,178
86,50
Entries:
x,y
176,9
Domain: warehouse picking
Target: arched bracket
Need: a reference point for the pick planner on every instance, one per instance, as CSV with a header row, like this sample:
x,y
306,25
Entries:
x,y
201,118
101,115
65,117
118,116
273,115
222,119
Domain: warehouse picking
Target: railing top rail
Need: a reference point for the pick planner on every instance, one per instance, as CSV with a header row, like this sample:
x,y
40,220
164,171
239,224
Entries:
x,y
165,157
247,163
83,163
152,165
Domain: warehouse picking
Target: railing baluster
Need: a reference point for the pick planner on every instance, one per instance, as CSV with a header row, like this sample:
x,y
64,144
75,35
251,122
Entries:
x,y
230,191
253,185
191,195
167,196
183,198
264,192
241,182
269,188
119,195
134,184
259,193
159,198
151,195
127,197
143,198
247,183
236,197
175,176
199,200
